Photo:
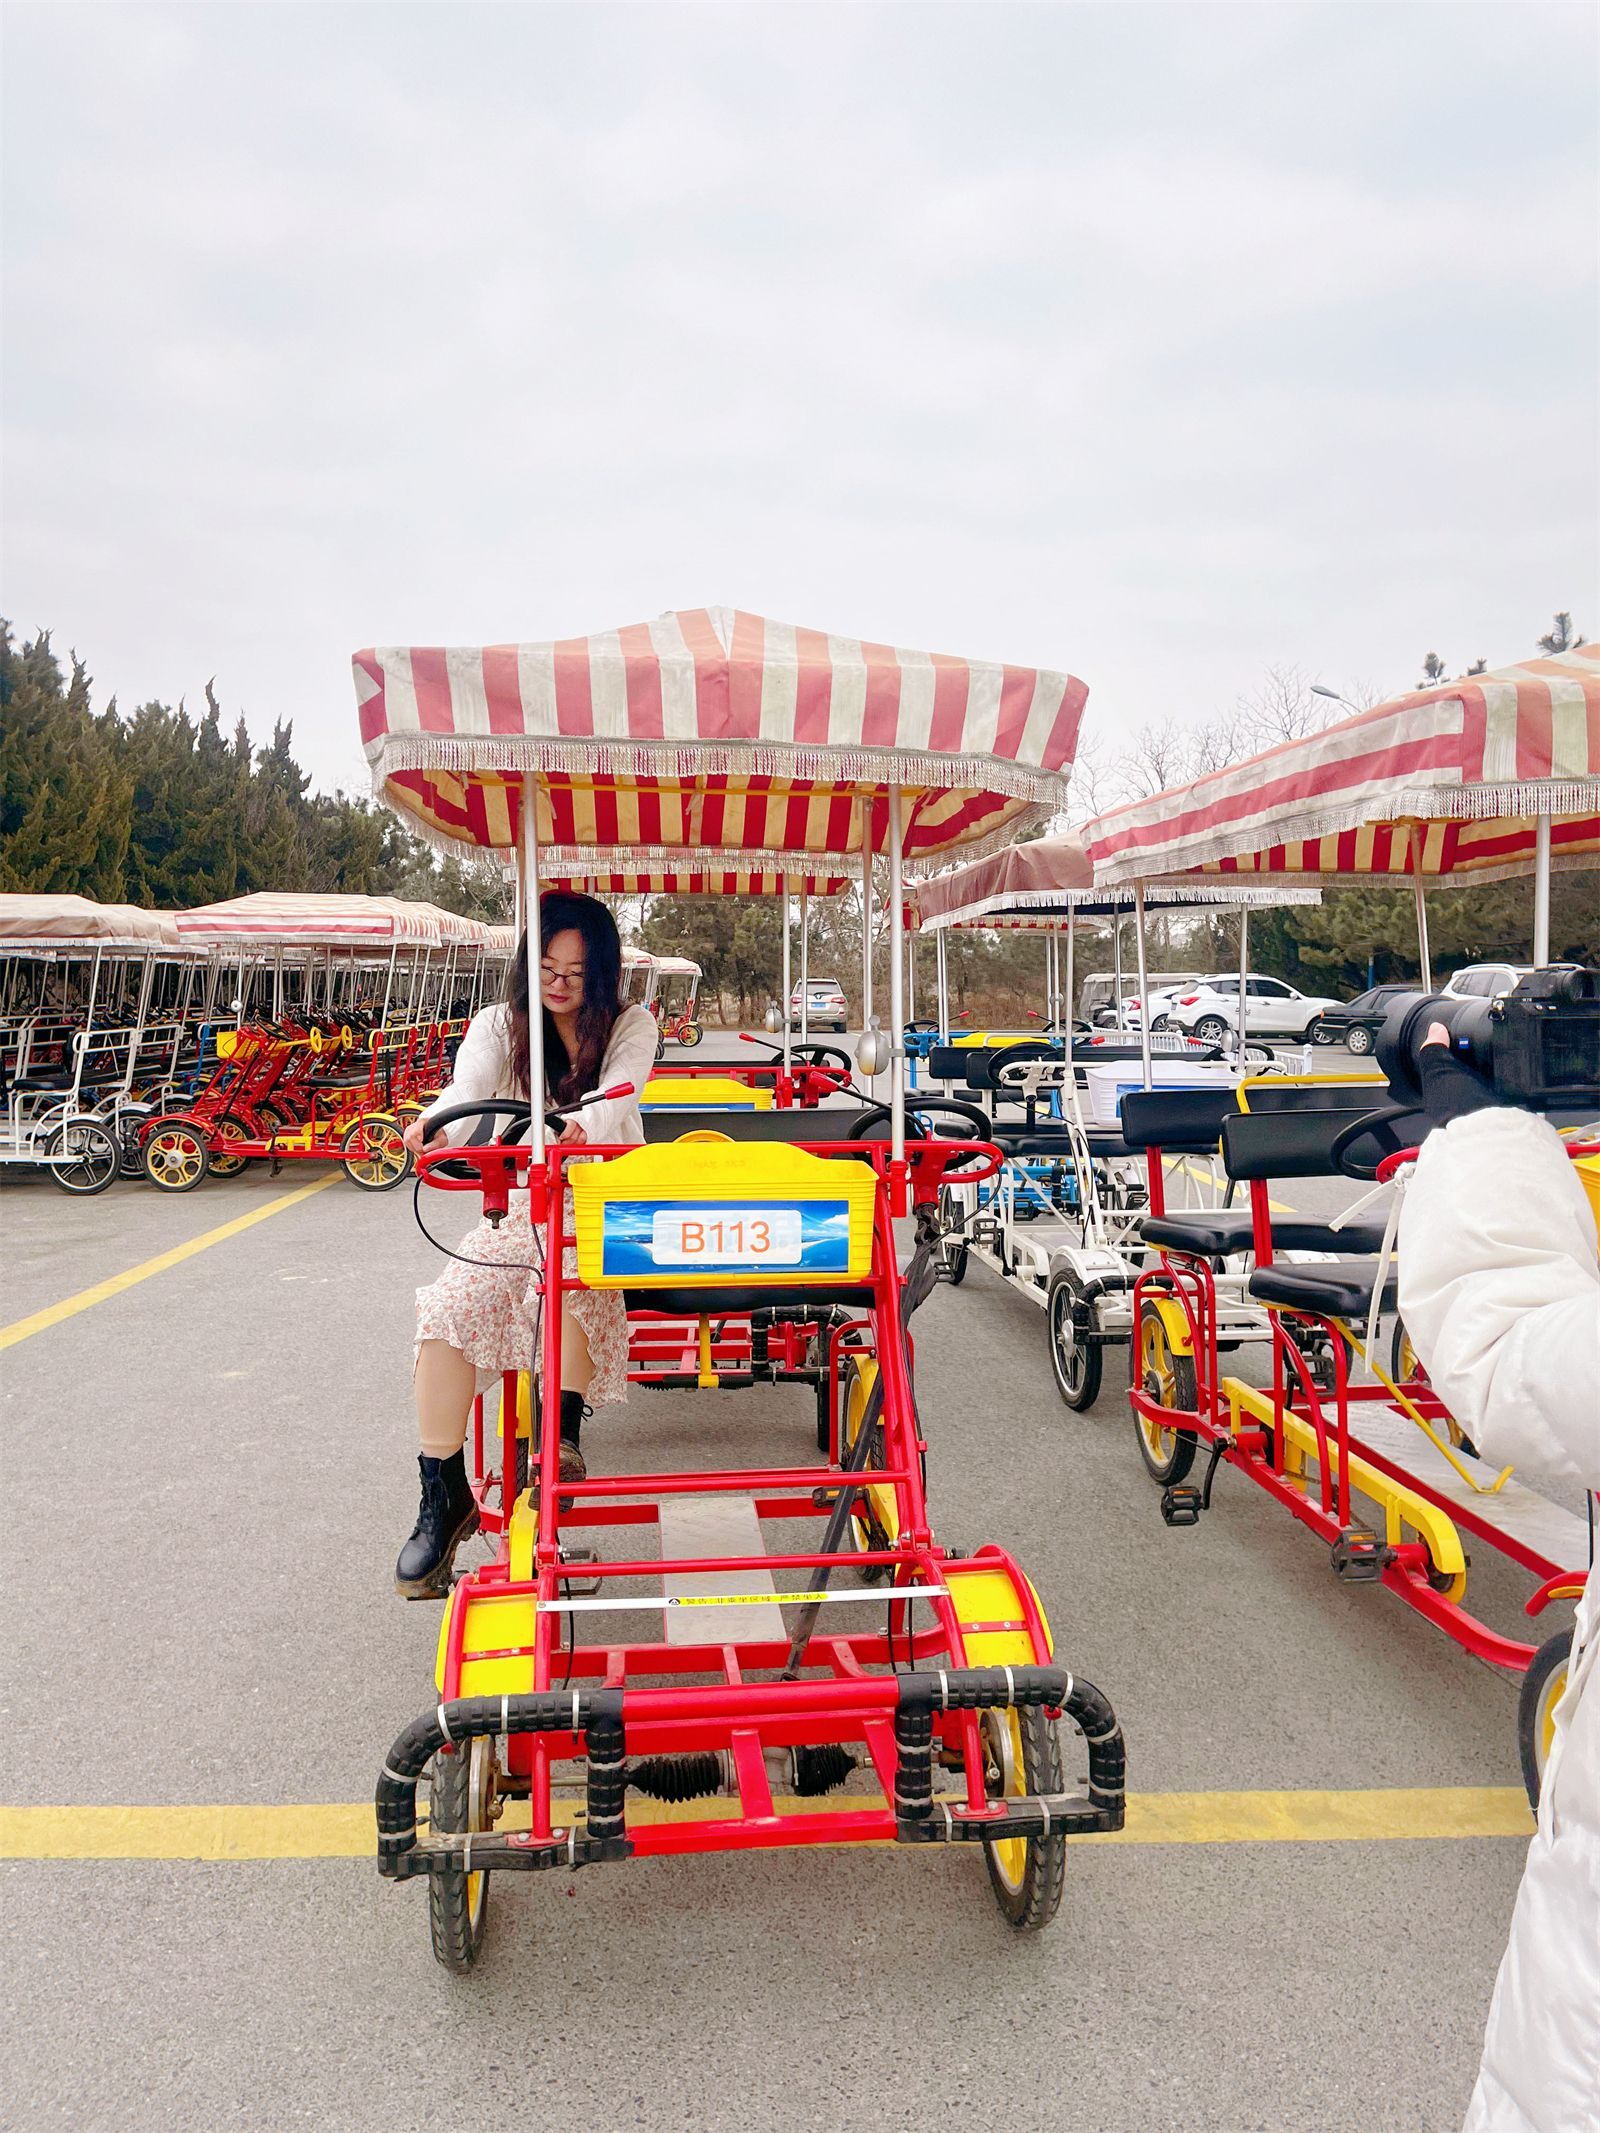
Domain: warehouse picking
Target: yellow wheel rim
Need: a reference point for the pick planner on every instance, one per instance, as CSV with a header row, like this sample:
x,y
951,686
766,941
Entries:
x,y
1004,1776
1155,1361
175,1158
384,1157
1549,1696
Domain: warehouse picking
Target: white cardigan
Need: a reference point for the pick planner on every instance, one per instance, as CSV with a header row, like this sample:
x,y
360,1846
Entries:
x,y
483,1070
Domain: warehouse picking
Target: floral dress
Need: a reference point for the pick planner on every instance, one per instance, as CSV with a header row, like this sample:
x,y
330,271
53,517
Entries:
x,y
491,1311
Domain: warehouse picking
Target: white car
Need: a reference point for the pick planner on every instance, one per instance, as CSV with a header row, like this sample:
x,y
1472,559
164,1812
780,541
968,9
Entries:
x,y
1484,981
1271,1009
824,1003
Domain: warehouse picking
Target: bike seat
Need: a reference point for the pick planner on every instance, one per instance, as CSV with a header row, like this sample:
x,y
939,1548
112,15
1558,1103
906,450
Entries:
x,y
1334,1288
734,1300
1214,1232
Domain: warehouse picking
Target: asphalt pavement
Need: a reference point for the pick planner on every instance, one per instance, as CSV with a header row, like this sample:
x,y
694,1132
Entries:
x,y
209,1472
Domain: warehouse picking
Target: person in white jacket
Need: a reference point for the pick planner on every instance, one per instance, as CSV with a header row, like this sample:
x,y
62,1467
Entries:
x,y
482,1312
1500,1293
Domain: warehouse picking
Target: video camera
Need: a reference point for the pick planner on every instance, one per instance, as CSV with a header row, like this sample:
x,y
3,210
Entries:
x,y
1538,1046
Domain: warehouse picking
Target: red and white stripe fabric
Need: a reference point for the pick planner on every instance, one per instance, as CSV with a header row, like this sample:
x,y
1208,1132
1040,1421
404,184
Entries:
x,y
664,873
64,922
1446,781
313,921
1036,887
714,727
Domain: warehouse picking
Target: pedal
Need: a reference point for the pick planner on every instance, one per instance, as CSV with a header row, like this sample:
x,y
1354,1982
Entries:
x,y
579,1588
1181,1505
1359,1556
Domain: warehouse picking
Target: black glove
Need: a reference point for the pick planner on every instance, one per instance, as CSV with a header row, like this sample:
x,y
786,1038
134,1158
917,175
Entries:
x,y
1450,1088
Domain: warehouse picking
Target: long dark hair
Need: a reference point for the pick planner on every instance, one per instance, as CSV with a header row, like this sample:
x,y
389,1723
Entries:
x,y
602,997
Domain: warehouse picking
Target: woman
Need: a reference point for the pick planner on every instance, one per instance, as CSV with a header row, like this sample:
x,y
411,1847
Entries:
x,y
482,1317
1500,1293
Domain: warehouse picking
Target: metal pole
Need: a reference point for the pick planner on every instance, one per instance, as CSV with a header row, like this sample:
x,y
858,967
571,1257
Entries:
x,y
1423,956
805,964
1068,1012
897,1018
941,964
1244,967
1144,989
1541,890
911,975
530,909
1116,964
866,915
786,986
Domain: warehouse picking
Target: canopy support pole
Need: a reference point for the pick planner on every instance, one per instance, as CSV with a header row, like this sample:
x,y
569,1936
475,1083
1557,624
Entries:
x,y
1424,959
941,965
1541,891
805,965
1067,1009
897,1016
785,973
1144,988
529,901
911,975
1244,972
866,915
1116,966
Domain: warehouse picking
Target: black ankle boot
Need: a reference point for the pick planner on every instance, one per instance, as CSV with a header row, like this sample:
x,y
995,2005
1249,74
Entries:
x,y
572,1413
448,1514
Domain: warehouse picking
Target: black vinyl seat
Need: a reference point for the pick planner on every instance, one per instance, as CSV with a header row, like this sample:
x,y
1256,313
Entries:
x,y
1214,1232
1333,1288
732,1301
665,1123
1105,1144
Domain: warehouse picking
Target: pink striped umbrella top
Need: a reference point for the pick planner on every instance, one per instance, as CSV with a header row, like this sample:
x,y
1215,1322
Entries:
x,y
713,727
1035,887
311,921
660,872
1444,781
66,922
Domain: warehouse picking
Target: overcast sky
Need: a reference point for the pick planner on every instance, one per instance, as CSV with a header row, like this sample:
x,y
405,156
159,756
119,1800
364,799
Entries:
x,y
1157,342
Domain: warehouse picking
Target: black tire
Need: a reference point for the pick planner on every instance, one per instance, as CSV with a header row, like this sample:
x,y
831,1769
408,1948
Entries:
x,y
176,1158
224,1130
1320,1033
98,1160
953,1250
1027,1874
866,1531
689,1036
1162,1025
1541,1690
1168,1454
1211,1029
1359,1040
458,1902
1077,1367
817,1359
385,1161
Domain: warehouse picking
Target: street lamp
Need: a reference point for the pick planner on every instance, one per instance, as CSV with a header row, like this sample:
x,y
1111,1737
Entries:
x,y
1318,689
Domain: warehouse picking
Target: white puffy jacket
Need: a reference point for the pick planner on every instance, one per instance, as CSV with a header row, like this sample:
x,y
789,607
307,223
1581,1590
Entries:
x,y
483,1069
1500,1292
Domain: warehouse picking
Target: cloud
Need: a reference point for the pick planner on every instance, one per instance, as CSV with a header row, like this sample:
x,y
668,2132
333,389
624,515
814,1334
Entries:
x,y
1154,342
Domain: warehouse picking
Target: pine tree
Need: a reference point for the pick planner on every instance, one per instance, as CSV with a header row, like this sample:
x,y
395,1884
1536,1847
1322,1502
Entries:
x,y
1561,637
64,802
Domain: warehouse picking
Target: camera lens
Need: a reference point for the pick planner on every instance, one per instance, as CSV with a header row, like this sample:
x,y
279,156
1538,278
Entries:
x,y
1405,1030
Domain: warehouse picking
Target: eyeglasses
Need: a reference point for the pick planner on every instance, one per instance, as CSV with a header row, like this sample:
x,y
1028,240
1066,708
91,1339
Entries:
x,y
551,976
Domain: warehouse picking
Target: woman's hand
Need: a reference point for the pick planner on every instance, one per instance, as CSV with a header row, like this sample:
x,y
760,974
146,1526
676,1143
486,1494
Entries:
x,y
572,1135
415,1135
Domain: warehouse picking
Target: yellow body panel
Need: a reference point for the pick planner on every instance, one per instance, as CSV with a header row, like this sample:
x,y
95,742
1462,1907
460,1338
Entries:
x,y
1174,1323
715,1175
987,1594
495,1622
1402,1508
1588,1169
704,1092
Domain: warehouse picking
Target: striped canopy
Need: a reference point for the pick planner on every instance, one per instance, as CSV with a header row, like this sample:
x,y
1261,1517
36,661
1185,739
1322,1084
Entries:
x,y
1445,782
664,873
66,922
1033,887
273,920
713,727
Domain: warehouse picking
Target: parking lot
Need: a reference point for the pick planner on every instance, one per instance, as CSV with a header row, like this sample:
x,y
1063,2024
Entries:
x,y
210,1464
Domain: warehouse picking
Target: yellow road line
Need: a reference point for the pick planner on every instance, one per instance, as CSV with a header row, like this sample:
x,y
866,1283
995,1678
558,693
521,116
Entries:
x,y
345,1831
22,1329
1206,1177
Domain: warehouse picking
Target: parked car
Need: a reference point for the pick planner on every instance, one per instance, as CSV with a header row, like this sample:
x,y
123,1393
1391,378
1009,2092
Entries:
x,y
1483,981
1358,1022
1096,1003
824,1002
1271,1009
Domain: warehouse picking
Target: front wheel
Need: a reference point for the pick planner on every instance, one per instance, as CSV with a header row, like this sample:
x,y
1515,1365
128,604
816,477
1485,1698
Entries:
x,y
1077,1363
462,1801
953,1243
1022,1756
90,1159
1359,1041
374,1154
224,1131
690,1034
175,1155
1168,1379
1541,1691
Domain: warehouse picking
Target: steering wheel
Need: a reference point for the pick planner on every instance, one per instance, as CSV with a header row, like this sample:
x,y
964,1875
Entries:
x,y
1368,1141
506,1107
1010,1055
822,1055
917,1111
